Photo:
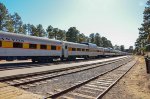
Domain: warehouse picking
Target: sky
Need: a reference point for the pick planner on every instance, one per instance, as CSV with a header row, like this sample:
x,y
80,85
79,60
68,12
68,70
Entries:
x,y
118,20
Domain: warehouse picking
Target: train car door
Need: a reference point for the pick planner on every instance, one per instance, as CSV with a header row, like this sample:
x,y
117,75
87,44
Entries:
x,y
66,51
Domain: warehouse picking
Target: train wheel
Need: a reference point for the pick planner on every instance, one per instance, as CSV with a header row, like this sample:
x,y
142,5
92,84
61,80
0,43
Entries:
x,y
33,61
62,59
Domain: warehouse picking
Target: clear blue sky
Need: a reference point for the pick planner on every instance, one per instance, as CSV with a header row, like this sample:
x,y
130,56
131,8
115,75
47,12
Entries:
x,y
118,20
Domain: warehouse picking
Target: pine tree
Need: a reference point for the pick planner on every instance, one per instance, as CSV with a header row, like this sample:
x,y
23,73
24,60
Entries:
x,y
3,17
40,31
17,23
33,30
55,33
72,34
49,31
61,34
144,31
81,38
98,40
92,37
9,24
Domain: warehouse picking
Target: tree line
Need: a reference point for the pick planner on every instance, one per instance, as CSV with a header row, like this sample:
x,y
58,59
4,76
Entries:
x,y
13,23
144,31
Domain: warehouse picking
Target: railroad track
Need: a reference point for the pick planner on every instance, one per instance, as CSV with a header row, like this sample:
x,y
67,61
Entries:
x,y
26,79
31,83
96,87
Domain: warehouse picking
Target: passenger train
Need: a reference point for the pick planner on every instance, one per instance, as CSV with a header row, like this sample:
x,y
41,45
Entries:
x,y
16,46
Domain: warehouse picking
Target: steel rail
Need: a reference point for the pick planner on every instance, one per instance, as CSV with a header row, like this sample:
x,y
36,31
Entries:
x,y
115,82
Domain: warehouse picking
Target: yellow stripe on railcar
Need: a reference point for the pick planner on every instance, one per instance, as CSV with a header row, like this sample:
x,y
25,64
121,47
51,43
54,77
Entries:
x,y
38,46
58,48
0,43
26,45
69,49
7,44
48,47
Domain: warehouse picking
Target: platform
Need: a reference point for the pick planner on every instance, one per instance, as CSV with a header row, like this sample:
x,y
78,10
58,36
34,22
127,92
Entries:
x,y
14,72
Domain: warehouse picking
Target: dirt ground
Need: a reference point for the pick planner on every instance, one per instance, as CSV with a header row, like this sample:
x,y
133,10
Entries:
x,y
134,85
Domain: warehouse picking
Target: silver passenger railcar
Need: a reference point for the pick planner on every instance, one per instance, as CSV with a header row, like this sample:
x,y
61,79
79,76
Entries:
x,y
17,46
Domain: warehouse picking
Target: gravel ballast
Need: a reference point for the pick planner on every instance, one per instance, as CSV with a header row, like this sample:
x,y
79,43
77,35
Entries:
x,y
59,83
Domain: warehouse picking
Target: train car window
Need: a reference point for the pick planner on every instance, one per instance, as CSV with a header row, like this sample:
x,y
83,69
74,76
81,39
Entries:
x,y
0,43
17,45
32,46
87,50
53,47
43,46
66,47
83,49
78,49
73,49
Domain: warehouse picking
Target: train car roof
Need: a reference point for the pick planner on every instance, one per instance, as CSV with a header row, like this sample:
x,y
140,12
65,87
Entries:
x,y
101,47
88,43
91,45
74,43
106,48
27,36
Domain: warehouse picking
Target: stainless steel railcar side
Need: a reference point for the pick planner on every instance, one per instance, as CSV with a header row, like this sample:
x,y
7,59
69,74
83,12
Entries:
x,y
16,46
